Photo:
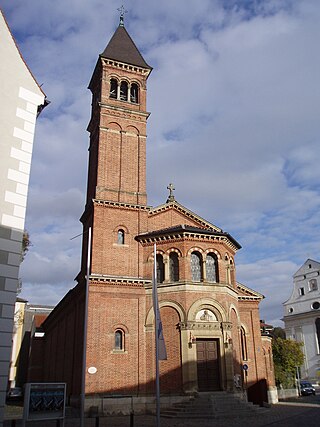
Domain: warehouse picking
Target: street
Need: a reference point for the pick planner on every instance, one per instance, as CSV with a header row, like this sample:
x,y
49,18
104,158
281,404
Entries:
x,y
302,411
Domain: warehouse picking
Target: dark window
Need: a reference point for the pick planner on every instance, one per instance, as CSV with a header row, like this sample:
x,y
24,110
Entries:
x,y
212,268
134,93
174,267
160,269
118,340
243,344
301,291
196,267
120,237
318,331
124,91
113,88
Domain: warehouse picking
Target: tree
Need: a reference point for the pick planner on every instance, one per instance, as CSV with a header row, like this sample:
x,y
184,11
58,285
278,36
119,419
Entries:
x,y
278,332
25,244
287,356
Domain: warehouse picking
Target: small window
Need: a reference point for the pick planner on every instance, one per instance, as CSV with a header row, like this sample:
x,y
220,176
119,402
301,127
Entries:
x,y
124,91
119,340
301,291
174,267
313,285
120,237
134,93
113,88
290,310
160,269
243,338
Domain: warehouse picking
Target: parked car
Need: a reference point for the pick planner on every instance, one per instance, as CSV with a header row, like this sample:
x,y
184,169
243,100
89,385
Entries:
x,y
306,388
14,393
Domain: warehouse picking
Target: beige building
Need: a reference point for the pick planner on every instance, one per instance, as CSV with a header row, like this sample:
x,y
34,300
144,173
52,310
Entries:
x,y
21,100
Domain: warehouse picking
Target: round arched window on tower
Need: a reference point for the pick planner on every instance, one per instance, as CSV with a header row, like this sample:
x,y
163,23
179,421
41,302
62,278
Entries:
x,y
315,305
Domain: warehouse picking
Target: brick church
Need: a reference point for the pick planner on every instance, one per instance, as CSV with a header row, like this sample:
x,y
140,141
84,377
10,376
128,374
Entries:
x,y
211,322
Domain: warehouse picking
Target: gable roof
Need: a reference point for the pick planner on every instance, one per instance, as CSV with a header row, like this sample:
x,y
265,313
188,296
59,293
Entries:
x,y
122,48
184,211
246,293
309,266
9,37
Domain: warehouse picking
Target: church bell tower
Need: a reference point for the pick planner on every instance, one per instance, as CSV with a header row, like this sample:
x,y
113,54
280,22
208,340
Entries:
x,y
116,205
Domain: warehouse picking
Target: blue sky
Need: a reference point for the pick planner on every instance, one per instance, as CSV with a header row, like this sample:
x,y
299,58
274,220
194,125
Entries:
x,y
234,96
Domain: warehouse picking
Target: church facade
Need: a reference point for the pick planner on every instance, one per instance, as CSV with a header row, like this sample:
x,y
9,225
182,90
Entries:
x,y
211,323
302,317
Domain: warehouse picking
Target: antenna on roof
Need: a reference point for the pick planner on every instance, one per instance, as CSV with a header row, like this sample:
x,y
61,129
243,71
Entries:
x,y
122,11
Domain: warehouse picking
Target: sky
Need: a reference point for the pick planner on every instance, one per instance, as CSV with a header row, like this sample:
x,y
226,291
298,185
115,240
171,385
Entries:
x,y
234,97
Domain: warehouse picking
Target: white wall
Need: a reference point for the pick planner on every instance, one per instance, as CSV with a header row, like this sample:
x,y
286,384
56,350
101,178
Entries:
x,y
20,97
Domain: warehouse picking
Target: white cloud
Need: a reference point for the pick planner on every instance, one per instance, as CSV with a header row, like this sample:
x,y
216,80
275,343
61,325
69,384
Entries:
x,y
234,97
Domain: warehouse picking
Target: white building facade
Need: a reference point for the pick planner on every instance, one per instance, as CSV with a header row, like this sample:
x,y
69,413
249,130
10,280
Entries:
x,y
302,317
21,99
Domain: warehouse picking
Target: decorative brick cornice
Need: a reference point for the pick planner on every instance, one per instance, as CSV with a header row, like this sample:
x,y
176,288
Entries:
x,y
116,280
183,233
120,204
247,293
126,67
124,112
194,325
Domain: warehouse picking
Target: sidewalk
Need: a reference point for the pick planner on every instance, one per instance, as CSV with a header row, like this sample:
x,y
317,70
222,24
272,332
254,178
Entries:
x,y
285,414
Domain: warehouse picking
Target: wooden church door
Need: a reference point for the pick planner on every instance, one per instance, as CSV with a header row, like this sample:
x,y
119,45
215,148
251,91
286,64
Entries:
x,y
208,365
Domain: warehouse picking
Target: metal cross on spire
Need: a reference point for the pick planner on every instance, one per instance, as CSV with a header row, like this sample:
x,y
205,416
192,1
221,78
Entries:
x,y
122,11
171,195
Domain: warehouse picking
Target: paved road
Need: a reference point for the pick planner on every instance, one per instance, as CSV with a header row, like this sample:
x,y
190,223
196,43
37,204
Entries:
x,y
297,413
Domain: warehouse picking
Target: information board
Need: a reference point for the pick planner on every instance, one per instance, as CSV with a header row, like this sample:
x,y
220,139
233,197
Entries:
x,y
44,401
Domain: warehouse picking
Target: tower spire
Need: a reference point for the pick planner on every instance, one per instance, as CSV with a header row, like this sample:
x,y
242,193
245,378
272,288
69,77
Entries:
x,y
122,11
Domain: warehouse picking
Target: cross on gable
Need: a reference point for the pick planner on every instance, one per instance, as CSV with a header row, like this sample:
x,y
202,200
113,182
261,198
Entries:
x,y
171,195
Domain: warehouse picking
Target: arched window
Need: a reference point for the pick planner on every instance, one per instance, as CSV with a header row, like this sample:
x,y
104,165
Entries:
x,y
174,267
119,340
160,269
134,93
212,267
318,331
196,267
113,88
120,237
124,91
243,339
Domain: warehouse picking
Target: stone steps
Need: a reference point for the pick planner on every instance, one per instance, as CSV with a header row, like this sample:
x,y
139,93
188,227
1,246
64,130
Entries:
x,y
216,405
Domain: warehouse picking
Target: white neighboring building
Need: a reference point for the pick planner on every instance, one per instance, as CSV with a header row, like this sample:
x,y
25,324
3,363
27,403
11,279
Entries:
x,y
302,316
21,99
